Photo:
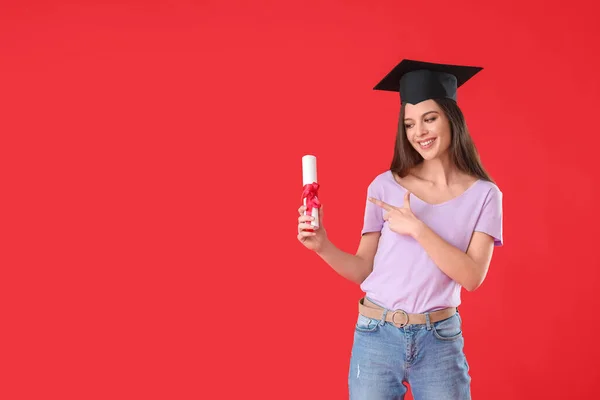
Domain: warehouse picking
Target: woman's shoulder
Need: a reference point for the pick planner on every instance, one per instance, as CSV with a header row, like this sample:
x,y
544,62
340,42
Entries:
x,y
487,192
489,186
381,178
378,184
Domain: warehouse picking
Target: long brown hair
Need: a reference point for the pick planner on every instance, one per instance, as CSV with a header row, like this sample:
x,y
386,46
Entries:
x,y
463,152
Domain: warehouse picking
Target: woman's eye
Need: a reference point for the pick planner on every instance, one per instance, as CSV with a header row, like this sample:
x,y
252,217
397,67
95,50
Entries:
x,y
430,120
407,126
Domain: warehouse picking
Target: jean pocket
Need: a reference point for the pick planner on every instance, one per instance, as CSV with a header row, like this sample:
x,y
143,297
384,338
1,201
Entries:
x,y
448,329
366,324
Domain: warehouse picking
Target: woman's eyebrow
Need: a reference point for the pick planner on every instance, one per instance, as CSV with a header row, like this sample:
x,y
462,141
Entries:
x,y
428,112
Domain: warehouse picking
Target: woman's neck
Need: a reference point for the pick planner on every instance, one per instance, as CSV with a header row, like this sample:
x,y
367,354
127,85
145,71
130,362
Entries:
x,y
439,171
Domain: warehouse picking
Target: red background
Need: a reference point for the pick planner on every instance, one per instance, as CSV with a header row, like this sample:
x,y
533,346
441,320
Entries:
x,y
151,173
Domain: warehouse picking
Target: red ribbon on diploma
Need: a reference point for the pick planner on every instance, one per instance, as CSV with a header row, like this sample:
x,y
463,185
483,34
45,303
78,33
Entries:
x,y
310,194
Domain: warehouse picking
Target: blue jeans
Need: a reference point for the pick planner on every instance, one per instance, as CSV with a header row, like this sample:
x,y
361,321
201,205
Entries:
x,y
428,357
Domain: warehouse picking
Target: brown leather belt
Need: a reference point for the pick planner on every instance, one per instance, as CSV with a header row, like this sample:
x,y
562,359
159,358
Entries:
x,y
400,318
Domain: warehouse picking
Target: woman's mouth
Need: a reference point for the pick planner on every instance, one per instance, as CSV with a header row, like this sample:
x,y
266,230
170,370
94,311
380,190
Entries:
x,y
427,143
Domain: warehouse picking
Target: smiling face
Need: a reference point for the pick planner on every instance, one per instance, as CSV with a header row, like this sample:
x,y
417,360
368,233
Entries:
x,y
427,129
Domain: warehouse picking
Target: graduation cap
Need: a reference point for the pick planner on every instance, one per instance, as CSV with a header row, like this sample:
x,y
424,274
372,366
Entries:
x,y
418,81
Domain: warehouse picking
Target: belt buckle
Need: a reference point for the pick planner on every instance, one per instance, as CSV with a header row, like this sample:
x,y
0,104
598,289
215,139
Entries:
x,y
399,325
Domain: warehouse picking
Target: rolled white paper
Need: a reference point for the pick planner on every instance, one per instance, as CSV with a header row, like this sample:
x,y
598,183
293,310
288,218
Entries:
x,y
309,175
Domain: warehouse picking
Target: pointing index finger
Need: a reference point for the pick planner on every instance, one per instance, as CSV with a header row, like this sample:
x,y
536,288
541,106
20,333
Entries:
x,y
381,204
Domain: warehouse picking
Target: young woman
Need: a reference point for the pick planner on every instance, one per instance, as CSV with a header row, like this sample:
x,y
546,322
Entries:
x,y
430,226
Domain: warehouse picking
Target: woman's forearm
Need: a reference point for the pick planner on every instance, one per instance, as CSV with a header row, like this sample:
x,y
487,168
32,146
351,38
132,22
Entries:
x,y
452,261
349,266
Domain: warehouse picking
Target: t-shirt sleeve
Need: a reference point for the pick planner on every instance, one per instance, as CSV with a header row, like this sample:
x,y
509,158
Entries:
x,y
373,219
490,219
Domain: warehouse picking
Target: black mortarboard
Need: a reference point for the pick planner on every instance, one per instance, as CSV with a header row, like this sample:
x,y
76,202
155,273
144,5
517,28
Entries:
x,y
418,81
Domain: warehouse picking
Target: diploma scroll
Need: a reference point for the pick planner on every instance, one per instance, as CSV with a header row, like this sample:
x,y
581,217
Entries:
x,y
311,186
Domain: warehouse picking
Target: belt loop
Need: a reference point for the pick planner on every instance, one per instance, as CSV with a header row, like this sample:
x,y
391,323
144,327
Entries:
x,y
383,316
428,321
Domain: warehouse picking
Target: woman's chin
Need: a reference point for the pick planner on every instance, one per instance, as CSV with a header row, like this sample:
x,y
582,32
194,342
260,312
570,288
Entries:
x,y
428,154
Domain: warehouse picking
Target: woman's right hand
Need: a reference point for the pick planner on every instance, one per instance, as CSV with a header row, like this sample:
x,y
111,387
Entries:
x,y
316,239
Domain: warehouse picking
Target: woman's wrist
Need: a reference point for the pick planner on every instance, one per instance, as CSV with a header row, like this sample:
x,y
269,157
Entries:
x,y
324,248
419,229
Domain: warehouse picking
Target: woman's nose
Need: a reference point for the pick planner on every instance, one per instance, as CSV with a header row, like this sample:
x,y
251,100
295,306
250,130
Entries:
x,y
421,129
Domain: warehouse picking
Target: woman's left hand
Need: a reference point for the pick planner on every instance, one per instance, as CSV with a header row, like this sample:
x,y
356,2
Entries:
x,y
400,219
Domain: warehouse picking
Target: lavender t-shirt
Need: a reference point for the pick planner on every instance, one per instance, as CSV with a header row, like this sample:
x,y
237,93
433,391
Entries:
x,y
404,276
